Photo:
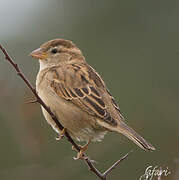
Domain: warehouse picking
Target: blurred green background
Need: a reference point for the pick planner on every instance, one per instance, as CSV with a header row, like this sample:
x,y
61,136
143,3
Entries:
x,y
134,45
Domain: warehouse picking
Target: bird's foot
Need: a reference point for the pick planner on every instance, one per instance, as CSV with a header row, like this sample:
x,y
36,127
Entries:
x,y
80,155
61,135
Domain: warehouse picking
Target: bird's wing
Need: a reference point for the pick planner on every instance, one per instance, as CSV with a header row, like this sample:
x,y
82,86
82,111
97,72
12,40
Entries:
x,y
81,85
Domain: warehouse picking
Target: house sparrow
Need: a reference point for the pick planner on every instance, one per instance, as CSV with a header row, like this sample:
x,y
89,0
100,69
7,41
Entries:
x,y
78,96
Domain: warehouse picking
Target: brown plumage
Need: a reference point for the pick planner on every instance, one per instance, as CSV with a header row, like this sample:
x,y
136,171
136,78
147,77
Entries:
x,y
77,95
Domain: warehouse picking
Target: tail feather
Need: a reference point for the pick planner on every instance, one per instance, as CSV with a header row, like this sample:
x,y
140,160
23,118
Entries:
x,y
129,133
134,136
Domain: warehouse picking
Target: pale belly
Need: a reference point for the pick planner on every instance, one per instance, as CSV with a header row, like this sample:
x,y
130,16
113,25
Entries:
x,y
78,123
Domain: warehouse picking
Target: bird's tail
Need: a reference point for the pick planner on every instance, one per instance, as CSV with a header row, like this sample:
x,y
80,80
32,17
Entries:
x,y
134,136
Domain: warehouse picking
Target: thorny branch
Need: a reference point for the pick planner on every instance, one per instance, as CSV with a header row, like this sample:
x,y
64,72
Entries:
x,y
90,164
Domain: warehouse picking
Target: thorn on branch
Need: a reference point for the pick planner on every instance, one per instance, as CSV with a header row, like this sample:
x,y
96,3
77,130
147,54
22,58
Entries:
x,y
32,101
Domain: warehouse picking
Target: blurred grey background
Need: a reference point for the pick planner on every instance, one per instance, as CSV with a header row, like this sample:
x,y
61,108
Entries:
x,y
134,45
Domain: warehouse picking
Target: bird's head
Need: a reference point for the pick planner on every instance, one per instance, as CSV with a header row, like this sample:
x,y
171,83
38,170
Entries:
x,y
57,51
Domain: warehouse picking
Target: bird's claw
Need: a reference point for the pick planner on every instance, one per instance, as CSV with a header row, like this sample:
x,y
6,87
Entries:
x,y
61,135
80,154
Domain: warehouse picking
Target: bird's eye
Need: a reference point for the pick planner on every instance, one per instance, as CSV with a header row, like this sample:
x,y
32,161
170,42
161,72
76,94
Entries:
x,y
54,51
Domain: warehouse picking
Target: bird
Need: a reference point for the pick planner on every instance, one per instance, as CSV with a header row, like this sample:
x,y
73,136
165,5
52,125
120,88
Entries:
x,y
78,96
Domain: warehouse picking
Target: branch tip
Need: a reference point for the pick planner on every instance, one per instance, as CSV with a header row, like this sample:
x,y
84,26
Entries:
x,y
108,171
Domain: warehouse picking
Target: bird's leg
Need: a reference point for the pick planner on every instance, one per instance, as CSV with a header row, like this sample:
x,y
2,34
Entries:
x,y
80,155
61,134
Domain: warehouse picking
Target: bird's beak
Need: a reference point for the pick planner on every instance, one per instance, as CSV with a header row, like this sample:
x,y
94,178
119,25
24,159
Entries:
x,y
38,54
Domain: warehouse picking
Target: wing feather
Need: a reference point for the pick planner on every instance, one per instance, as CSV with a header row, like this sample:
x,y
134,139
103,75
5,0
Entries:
x,y
86,95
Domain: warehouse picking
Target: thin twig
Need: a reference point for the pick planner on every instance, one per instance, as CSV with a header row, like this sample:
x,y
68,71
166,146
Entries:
x,y
102,176
116,164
